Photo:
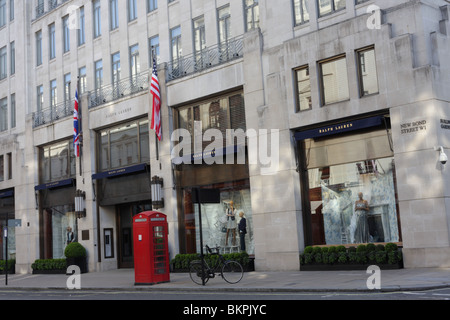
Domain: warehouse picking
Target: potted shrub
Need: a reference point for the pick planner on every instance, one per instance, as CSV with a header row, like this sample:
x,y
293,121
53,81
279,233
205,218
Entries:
x,y
76,255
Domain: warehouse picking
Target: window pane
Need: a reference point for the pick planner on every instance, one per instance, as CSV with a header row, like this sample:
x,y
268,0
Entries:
x,y
325,7
104,150
124,145
144,142
368,72
336,213
59,161
334,81
304,89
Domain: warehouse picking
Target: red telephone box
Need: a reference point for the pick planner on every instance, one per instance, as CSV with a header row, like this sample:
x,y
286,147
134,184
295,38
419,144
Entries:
x,y
151,250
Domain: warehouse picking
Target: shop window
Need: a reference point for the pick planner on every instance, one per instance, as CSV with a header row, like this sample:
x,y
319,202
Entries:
x,y
341,176
124,145
217,228
60,229
333,73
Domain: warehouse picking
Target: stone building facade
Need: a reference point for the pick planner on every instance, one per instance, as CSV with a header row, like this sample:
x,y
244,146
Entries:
x,y
335,98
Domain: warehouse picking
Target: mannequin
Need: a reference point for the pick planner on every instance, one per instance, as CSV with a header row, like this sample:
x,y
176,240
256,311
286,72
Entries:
x,y
362,226
231,223
70,236
242,230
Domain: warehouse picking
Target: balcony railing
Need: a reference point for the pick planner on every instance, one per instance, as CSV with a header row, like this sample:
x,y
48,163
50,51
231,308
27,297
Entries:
x,y
119,89
51,5
207,58
59,111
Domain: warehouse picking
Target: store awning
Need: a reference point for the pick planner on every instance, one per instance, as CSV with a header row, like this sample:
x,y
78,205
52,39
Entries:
x,y
119,172
190,159
339,128
6,193
55,184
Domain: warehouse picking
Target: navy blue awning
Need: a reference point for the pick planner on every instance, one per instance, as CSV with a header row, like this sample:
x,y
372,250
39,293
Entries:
x,y
55,184
6,193
119,172
190,159
339,128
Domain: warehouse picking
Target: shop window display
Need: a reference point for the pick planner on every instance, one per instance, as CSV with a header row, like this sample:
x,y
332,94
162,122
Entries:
x,y
64,228
220,221
354,202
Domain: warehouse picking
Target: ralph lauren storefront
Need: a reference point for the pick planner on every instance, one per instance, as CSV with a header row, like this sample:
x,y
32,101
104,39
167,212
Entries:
x,y
348,182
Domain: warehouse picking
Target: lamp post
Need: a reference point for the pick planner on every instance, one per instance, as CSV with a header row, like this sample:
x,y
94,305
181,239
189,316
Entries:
x,y
80,204
157,196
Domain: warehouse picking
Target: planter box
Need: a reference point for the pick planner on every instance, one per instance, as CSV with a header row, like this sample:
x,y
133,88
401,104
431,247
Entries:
x,y
349,266
81,262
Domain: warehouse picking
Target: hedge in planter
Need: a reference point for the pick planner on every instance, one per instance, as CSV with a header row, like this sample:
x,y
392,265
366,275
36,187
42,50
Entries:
x,y
76,255
181,262
49,266
11,266
360,257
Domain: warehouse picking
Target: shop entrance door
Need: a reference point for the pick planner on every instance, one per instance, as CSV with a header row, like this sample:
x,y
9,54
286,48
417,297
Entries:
x,y
125,214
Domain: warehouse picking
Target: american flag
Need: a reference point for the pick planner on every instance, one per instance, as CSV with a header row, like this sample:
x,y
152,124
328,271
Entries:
x,y
156,111
76,131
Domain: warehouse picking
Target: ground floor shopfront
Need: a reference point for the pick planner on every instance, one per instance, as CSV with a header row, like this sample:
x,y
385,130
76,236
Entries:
x,y
348,179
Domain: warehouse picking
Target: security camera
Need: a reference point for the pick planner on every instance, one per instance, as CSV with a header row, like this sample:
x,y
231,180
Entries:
x,y
442,156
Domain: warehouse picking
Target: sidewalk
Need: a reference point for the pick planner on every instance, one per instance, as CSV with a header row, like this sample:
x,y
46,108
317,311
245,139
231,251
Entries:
x,y
318,281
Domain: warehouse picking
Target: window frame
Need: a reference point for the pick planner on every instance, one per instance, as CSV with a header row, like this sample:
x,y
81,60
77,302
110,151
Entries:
x,y
321,79
361,87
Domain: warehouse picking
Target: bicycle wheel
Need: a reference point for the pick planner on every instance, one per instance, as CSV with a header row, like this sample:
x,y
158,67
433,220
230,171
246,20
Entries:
x,y
232,272
195,271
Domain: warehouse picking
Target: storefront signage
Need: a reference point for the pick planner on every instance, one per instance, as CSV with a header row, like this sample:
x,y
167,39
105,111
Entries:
x,y
413,127
445,124
207,154
119,172
55,184
339,128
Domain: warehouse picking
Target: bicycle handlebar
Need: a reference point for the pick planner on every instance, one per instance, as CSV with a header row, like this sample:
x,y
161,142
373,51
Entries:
x,y
210,251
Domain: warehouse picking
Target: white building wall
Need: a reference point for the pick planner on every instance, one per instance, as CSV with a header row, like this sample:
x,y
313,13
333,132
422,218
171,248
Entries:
x,y
411,45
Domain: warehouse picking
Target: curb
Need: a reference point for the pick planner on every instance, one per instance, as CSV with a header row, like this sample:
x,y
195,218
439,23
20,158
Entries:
x,y
222,289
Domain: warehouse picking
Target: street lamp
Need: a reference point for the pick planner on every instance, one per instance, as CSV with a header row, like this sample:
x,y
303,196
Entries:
x,y
80,204
157,198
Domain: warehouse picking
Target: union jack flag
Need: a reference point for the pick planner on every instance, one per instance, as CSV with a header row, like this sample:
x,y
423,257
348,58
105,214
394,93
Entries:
x,y
156,111
76,128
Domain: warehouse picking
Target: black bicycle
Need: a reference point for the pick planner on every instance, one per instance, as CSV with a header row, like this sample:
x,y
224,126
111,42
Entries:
x,y
231,271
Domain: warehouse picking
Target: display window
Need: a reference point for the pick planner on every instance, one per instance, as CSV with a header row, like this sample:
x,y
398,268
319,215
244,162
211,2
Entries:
x,y
228,224
354,203
350,186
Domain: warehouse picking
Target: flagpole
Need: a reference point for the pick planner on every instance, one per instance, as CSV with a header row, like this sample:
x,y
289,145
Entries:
x,y
80,126
154,72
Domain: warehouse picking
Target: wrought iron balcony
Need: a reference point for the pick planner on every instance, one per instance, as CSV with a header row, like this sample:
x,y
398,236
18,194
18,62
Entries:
x,y
119,89
207,58
51,5
59,111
